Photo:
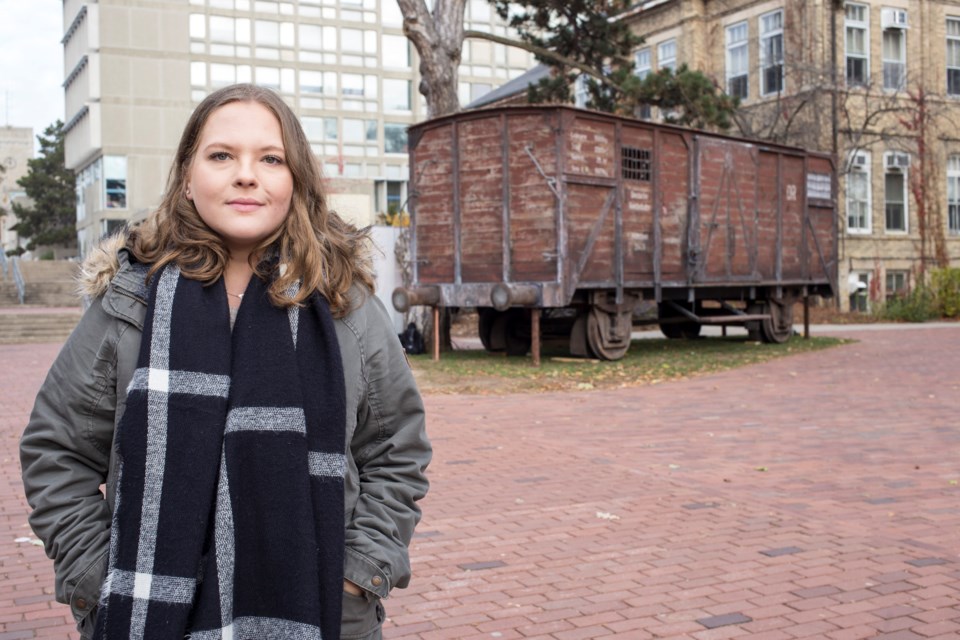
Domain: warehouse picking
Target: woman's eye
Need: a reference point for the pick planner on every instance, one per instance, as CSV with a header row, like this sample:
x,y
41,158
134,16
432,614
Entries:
x,y
219,155
273,160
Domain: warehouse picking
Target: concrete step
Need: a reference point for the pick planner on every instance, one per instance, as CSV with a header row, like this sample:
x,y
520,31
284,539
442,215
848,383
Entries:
x,y
49,283
48,270
40,325
51,294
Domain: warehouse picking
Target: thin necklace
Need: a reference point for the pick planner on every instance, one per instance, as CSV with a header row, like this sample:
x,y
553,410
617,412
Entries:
x,y
239,296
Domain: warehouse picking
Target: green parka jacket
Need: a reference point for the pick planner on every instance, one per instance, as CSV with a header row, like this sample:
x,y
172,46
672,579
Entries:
x,y
67,449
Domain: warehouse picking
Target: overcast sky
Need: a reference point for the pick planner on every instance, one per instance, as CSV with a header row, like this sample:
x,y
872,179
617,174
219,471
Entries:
x,y
31,63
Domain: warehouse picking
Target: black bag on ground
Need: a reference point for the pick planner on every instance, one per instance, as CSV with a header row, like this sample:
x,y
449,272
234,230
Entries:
x,y
412,340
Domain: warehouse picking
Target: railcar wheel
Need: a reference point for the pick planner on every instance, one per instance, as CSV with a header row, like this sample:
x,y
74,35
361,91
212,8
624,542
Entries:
x,y
517,332
608,334
754,332
492,336
778,328
676,330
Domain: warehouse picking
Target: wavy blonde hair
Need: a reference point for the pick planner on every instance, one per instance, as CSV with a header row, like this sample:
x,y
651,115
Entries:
x,y
313,242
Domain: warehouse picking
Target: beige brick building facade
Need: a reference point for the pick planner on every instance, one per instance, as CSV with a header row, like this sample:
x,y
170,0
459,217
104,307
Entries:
x,y
893,120
16,148
134,70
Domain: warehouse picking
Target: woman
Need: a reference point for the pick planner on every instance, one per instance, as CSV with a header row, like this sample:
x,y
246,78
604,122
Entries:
x,y
245,401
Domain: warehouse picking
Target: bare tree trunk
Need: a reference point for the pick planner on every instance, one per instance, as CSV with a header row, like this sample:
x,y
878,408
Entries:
x,y
438,37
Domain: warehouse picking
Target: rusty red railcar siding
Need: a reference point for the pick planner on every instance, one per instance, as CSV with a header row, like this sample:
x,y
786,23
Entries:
x,y
569,201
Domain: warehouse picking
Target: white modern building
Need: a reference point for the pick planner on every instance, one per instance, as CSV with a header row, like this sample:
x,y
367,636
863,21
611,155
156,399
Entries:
x,y
16,147
134,70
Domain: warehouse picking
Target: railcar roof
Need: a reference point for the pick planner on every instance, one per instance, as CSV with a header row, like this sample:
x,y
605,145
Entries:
x,y
475,114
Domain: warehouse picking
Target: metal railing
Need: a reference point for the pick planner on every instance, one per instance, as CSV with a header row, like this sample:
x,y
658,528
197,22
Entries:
x,y
3,263
18,279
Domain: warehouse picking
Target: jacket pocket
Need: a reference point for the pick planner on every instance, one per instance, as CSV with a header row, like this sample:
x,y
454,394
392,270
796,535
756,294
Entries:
x,y
86,593
362,617
87,625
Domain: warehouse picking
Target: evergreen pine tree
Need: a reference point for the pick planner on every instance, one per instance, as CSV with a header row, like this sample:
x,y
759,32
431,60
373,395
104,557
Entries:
x,y
51,218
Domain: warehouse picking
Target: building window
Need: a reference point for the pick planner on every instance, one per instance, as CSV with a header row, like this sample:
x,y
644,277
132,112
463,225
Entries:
x,y
198,74
479,10
738,60
394,138
858,44
898,284
642,68
229,30
859,289
895,191
318,82
894,57
317,38
479,89
396,95
198,26
396,51
115,182
953,56
390,14
858,193
667,55
352,84
319,129
390,195
771,53
953,194
359,131
581,93
110,227
641,63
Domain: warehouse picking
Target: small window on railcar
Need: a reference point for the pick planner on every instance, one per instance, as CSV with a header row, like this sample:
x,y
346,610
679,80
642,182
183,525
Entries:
x,y
635,164
819,186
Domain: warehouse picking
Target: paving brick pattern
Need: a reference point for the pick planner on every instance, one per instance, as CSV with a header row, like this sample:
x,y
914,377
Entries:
x,y
810,497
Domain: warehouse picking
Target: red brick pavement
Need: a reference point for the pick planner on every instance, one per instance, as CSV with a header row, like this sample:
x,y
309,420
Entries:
x,y
809,497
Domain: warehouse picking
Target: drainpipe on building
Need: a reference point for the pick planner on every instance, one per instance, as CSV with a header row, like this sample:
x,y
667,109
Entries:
x,y
834,6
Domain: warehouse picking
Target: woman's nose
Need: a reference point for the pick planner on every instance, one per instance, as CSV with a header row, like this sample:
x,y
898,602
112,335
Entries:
x,y
246,175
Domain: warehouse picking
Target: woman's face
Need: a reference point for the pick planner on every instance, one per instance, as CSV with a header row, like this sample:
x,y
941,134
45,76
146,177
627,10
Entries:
x,y
239,180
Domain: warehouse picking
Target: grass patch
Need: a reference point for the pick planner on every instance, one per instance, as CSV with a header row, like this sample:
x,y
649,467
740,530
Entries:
x,y
649,361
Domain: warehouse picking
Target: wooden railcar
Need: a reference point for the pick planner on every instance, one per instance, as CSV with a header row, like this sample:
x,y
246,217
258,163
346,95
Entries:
x,y
581,215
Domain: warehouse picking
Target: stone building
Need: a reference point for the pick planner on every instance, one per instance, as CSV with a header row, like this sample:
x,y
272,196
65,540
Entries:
x,y
16,147
875,82
134,70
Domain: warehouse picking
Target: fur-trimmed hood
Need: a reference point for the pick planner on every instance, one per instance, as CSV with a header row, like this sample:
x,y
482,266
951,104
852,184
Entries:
x,y
100,266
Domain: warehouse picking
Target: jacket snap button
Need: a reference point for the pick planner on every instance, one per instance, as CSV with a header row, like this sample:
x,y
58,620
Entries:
x,y
81,603
376,581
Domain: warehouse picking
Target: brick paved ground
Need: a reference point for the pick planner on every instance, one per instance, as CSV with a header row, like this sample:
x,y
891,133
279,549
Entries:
x,y
811,497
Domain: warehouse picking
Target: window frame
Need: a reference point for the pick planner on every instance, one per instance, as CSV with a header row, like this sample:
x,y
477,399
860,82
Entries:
x,y
863,25
765,36
860,294
581,92
901,63
731,48
667,61
115,170
866,226
388,129
905,173
408,91
645,69
955,41
953,180
891,292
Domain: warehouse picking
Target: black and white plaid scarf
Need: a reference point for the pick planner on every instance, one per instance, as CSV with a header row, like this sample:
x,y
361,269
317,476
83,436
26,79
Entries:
x,y
229,514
